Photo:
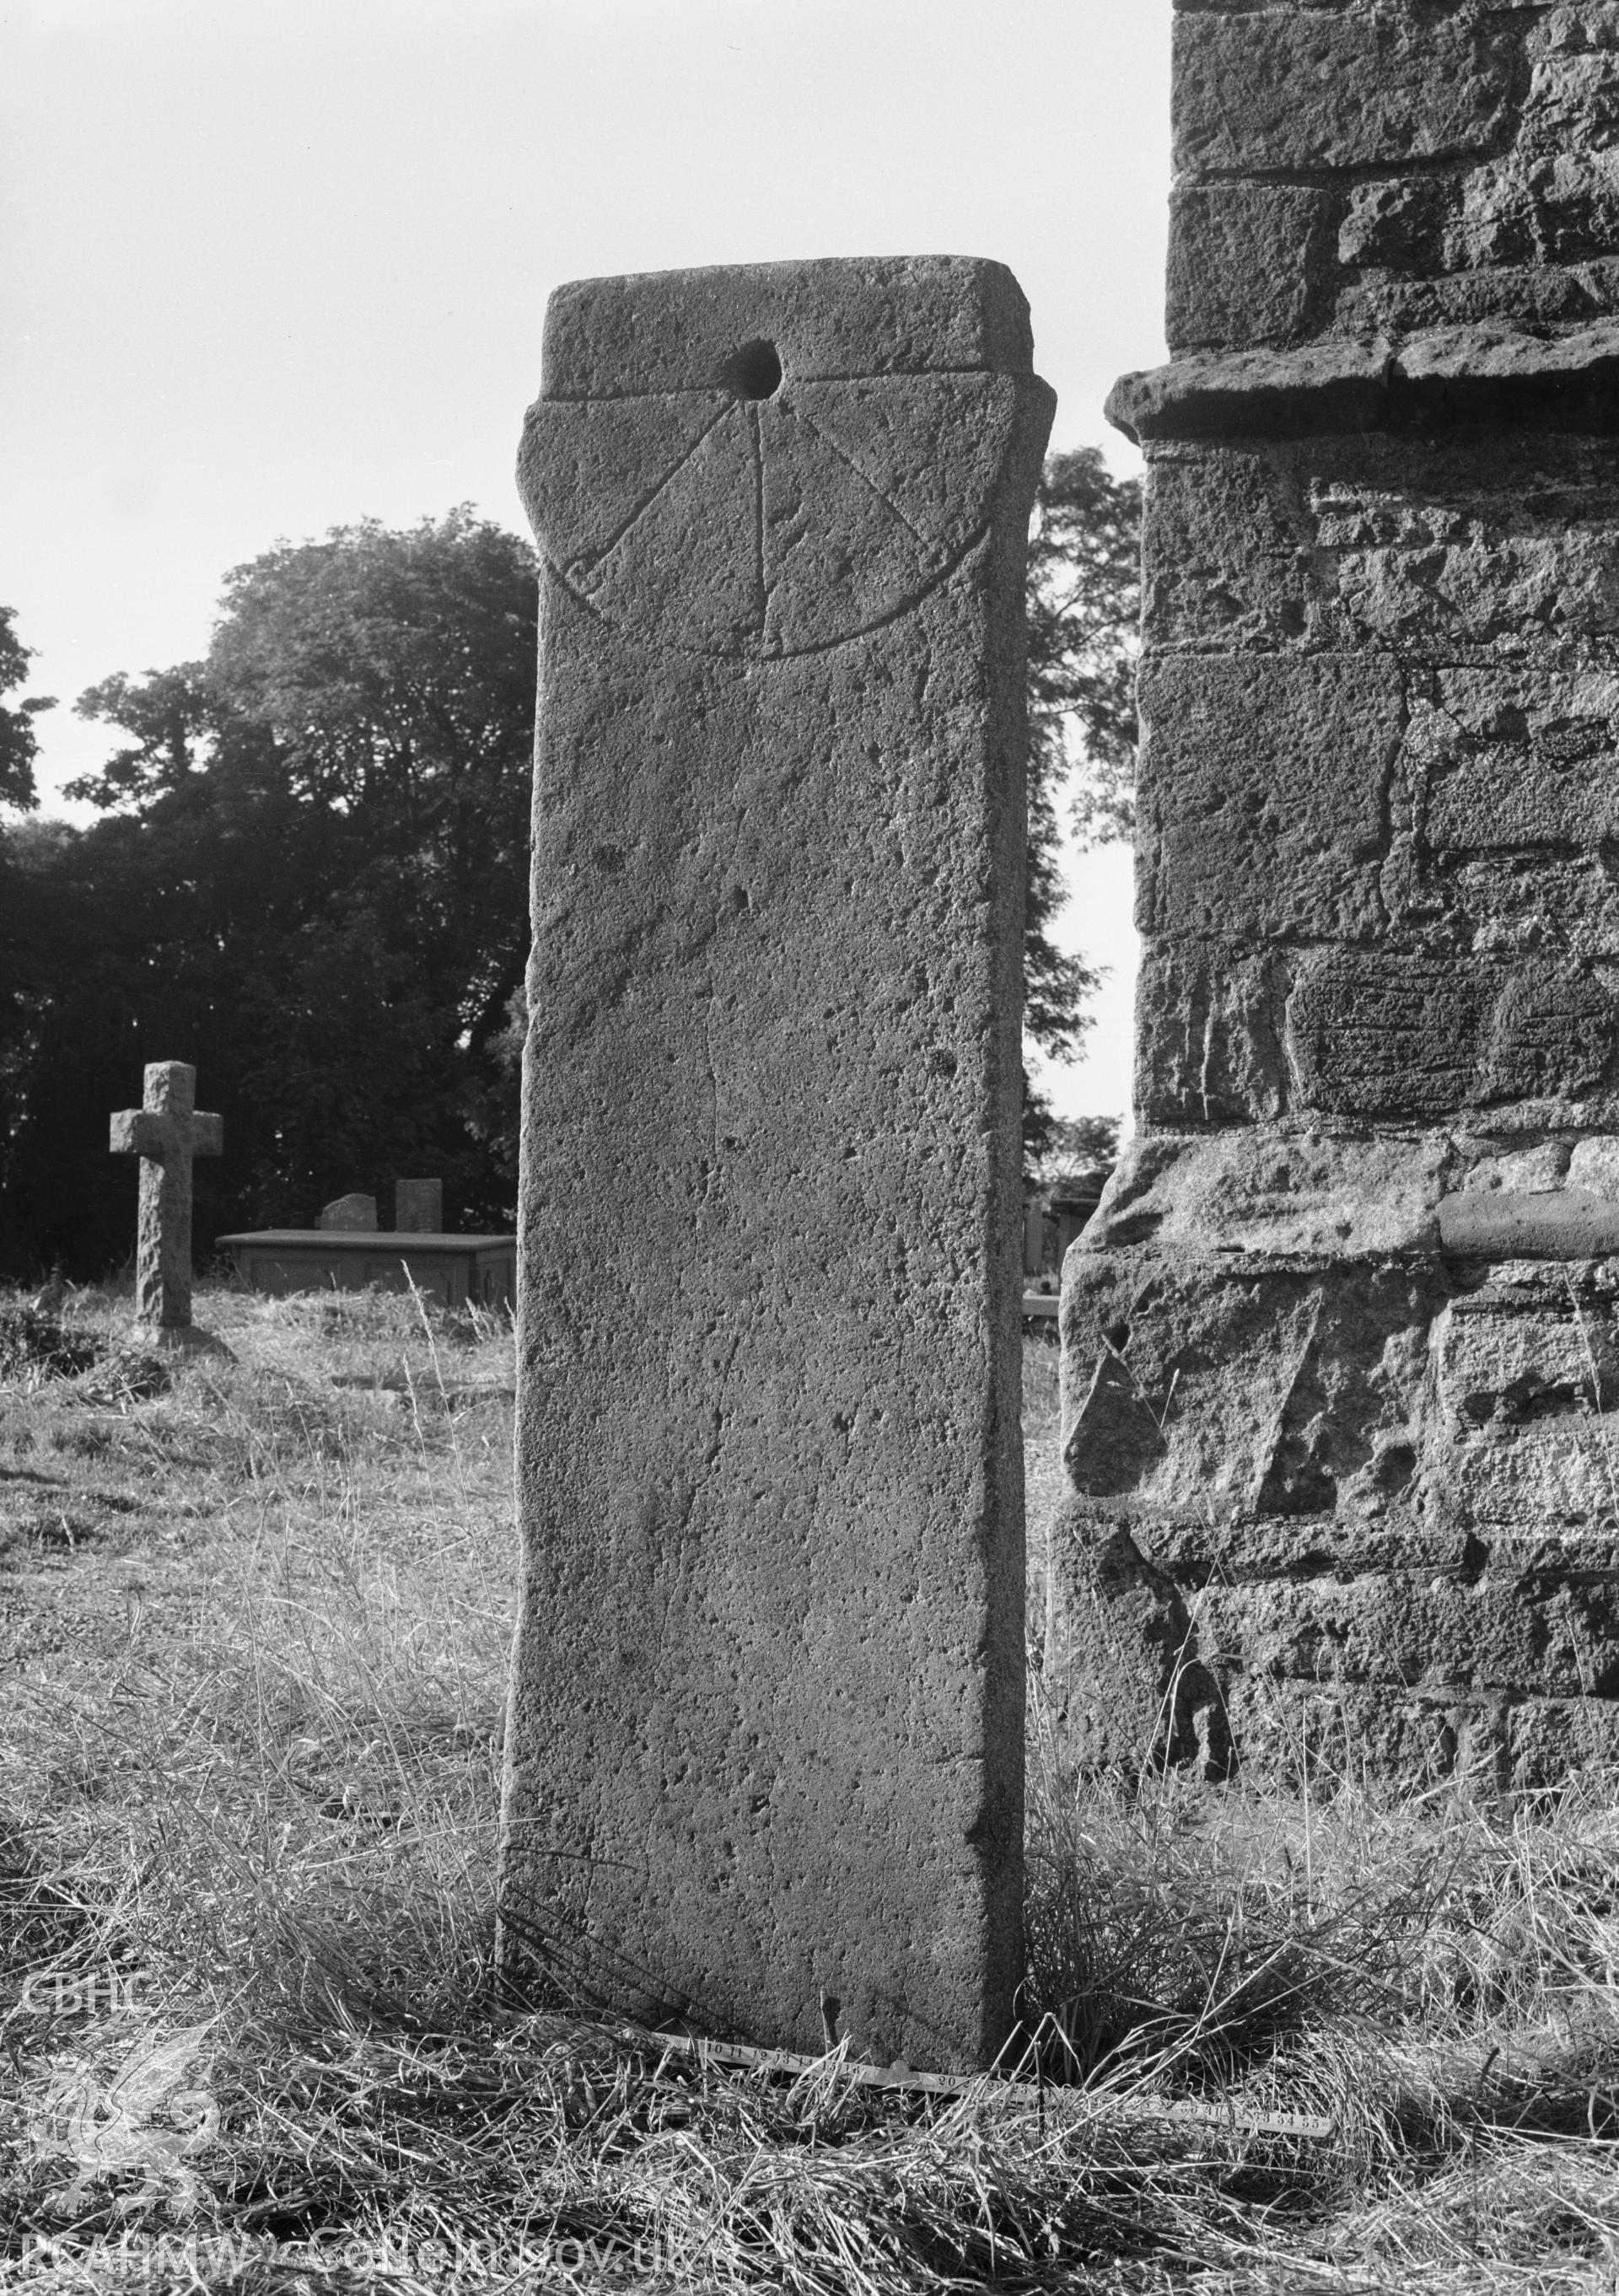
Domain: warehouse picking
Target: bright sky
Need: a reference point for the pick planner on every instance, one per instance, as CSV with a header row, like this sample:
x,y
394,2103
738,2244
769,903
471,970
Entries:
x,y
270,266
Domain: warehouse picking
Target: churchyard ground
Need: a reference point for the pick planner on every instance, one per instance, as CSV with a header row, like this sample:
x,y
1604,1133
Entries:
x,y
257,1616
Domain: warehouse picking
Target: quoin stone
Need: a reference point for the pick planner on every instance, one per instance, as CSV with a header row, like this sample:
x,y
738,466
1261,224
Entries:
x,y
165,1132
1341,1347
764,1751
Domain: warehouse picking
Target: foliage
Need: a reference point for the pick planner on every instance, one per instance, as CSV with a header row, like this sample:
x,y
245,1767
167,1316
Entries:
x,y
1079,1150
1084,604
19,743
310,878
310,875
1083,601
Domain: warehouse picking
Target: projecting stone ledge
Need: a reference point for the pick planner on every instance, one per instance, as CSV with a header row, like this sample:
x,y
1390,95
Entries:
x,y
1447,376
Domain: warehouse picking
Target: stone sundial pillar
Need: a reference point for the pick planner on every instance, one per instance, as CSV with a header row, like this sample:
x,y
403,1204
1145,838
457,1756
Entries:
x,y
765,1743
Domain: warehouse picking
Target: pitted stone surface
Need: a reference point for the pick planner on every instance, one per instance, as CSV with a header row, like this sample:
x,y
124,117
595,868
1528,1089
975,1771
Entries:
x,y
766,526
1339,1344
1340,1427
766,1720
165,1132
1459,166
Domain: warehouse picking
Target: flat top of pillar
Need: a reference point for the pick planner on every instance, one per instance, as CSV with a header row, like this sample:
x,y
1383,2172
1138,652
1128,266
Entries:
x,y
657,330
393,1241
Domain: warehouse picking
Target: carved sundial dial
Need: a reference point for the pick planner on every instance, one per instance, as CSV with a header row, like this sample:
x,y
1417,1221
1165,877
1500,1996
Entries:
x,y
771,515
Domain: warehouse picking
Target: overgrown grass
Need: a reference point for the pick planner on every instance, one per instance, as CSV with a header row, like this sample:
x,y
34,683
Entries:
x,y
256,1613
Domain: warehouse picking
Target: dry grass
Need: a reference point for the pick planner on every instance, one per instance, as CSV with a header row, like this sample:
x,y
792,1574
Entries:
x,y
254,1622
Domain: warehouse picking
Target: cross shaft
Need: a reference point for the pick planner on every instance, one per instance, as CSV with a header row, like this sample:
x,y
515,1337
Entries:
x,y
165,1132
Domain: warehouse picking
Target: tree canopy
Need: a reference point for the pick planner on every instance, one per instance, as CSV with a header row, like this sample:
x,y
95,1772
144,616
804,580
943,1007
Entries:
x,y
310,873
1084,595
19,743
310,878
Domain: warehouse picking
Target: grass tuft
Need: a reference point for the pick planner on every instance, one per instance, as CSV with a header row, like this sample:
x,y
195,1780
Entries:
x,y
252,1739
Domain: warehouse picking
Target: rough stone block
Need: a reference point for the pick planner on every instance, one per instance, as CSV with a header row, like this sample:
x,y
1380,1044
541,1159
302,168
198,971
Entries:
x,y
1548,1741
1248,262
1395,223
1593,1165
1208,1034
1411,1631
1484,551
1520,759
1496,226
1246,1389
1120,1673
1541,1471
1374,1033
1386,303
1261,787
1318,1194
1506,545
1286,90
1410,1739
1296,1732
1230,564
766,1724
1544,1164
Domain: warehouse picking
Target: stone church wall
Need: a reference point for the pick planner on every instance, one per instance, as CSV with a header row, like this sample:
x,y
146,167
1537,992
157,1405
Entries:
x,y
1341,1348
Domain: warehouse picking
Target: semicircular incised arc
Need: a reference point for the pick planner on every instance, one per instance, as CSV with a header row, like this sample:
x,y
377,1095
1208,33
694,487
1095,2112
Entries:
x,y
770,515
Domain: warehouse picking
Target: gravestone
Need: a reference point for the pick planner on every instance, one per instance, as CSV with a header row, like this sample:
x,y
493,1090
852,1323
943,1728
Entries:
x,y
1035,1239
418,1208
764,1757
355,1214
1341,1347
165,1132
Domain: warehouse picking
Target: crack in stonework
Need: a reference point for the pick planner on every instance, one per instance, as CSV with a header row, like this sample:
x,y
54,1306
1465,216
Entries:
x,y
761,587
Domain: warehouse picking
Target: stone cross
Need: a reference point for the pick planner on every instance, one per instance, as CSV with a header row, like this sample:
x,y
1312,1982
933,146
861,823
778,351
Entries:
x,y
165,1132
767,1742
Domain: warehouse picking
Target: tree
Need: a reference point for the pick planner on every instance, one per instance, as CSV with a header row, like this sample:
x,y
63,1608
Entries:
x,y
1084,595
393,677
310,874
19,743
310,878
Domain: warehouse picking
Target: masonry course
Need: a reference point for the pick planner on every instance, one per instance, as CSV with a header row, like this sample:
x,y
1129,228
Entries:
x,y
1338,1346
